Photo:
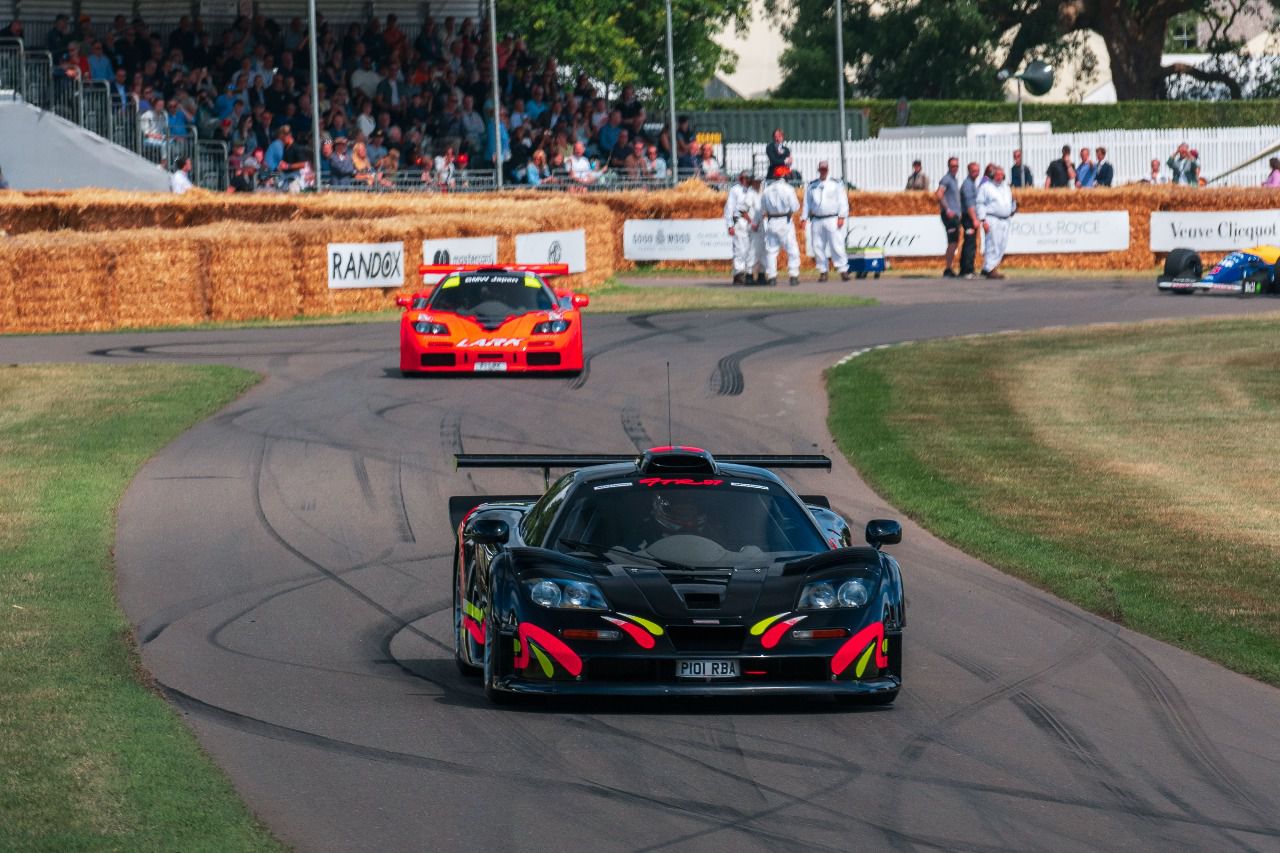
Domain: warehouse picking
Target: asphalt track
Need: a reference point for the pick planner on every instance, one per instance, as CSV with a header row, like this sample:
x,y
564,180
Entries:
x,y
287,565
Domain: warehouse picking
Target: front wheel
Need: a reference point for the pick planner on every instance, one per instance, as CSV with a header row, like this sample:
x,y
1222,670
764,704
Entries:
x,y
460,637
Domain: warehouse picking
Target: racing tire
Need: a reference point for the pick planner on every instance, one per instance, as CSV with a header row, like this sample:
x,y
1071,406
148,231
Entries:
x,y
465,669
491,639
1183,263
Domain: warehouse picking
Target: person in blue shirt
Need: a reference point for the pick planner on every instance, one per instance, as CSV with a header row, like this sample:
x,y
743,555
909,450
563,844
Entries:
x,y
99,63
610,132
1086,172
503,135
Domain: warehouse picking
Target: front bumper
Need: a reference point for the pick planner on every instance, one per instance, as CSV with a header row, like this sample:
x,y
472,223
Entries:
x,y
738,687
450,360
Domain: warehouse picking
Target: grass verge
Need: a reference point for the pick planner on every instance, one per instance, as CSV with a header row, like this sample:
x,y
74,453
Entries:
x,y
90,758
1130,469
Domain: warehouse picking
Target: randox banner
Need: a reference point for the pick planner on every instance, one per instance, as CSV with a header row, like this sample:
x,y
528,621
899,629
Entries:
x,y
676,240
1030,234
553,247
1205,230
458,250
366,265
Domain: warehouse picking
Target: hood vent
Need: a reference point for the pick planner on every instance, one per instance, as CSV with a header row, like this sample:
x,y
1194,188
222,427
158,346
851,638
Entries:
x,y
699,596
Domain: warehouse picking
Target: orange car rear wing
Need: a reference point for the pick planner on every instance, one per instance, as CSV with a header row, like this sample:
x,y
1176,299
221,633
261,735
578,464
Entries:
x,y
536,269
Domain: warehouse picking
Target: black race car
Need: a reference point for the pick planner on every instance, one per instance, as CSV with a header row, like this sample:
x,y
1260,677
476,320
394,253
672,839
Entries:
x,y
674,572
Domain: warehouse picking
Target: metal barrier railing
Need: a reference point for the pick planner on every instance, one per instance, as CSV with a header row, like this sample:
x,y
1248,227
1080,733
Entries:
x,y
95,107
125,131
11,70
210,164
37,78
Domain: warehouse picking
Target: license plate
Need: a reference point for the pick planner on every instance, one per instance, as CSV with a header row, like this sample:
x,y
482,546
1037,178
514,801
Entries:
x,y
490,367
707,669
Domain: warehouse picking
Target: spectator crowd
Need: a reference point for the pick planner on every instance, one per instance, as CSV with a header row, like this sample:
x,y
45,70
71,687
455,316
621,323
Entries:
x,y
392,109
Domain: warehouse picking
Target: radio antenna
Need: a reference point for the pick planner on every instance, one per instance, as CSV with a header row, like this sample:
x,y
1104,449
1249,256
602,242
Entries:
x,y
670,440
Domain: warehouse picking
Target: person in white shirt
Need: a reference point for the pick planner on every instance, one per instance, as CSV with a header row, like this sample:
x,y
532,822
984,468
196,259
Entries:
x,y
180,181
757,236
826,207
995,206
778,204
736,220
579,166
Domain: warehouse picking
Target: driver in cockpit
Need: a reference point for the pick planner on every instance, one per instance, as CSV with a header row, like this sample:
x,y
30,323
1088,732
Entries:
x,y
678,513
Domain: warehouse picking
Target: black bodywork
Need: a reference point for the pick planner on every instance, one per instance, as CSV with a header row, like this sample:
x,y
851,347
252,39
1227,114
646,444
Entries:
x,y
730,620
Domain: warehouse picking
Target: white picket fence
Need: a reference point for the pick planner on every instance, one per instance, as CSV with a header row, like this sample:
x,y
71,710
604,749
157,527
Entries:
x,y
883,164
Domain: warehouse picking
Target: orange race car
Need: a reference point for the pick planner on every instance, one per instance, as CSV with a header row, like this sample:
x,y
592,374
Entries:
x,y
487,319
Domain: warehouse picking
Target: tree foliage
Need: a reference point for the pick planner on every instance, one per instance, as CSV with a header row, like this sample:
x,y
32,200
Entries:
x,y
617,42
954,48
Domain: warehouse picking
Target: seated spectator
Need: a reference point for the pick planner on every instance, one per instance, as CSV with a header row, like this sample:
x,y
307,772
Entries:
x,y
446,169
245,179
364,173
655,166
100,67
387,168
472,124
686,145
375,147
342,169
608,136
637,164
180,180
621,152
1273,179
708,167
580,170
537,172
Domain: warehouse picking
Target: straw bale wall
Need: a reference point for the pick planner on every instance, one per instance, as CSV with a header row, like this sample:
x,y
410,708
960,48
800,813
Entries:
x,y
85,260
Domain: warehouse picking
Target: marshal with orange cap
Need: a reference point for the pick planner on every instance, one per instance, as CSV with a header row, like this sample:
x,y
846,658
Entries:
x,y
672,571
487,319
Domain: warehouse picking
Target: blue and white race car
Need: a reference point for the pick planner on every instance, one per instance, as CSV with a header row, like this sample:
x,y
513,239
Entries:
x,y
1246,272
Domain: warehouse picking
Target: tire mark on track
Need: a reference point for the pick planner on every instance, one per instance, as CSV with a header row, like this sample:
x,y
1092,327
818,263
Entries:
x,y
641,321
362,477
727,380
634,428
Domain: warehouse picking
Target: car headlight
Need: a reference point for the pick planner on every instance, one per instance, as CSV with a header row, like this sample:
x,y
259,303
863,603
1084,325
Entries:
x,y
566,594
853,593
825,595
551,327
431,328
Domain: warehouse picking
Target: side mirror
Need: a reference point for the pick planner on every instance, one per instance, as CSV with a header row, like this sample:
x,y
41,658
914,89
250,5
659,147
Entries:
x,y
883,531
581,300
490,531
404,301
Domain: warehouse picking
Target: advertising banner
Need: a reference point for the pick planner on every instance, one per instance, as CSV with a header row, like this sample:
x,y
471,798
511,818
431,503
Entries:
x,y
366,265
1205,230
1030,233
676,240
458,250
553,247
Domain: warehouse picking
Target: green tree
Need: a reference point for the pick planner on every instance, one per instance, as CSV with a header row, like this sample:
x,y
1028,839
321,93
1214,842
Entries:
x,y
954,48
618,42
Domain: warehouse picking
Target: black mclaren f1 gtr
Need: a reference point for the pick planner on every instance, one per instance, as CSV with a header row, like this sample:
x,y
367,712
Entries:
x,y
673,572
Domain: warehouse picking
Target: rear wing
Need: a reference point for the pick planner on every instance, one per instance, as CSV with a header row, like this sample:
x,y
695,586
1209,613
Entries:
x,y
547,461
536,269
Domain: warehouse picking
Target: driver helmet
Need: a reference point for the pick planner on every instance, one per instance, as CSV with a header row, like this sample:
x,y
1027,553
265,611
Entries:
x,y
678,512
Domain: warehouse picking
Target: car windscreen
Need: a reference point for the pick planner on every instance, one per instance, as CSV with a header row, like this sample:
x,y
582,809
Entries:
x,y
687,522
496,295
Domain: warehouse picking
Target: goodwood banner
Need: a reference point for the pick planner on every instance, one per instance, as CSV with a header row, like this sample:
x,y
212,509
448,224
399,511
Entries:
x,y
458,250
676,240
1213,229
553,247
1030,234
366,265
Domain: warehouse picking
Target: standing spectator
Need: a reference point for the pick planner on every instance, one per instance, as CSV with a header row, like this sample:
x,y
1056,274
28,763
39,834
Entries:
x,y
1156,177
969,220
472,124
686,145
99,63
1106,174
777,205
617,158
608,136
777,152
1061,173
948,195
826,206
736,213
59,37
154,124
1273,179
1086,172
180,181
995,207
1021,175
917,180
656,167
1184,167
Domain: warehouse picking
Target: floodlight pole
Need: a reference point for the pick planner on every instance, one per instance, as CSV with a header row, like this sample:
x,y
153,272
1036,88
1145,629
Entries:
x,y
1021,180
671,102
315,92
497,109
840,82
